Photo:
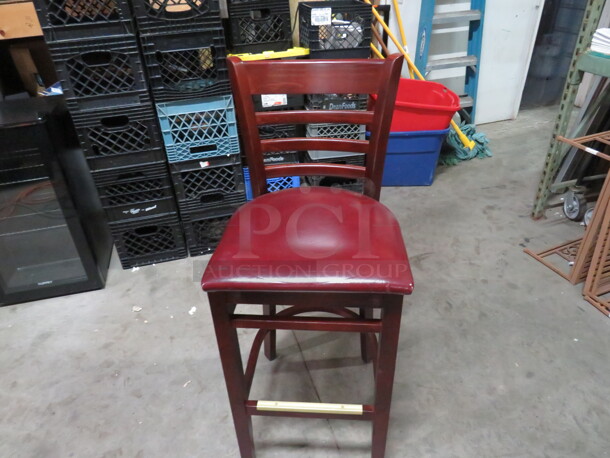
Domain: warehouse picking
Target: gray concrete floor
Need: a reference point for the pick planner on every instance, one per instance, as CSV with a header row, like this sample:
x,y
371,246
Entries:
x,y
499,357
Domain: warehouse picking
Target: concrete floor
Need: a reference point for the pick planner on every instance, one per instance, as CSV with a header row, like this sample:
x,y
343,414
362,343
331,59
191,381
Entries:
x,y
499,357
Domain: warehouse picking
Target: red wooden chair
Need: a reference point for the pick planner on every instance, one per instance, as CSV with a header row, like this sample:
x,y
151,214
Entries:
x,y
313,249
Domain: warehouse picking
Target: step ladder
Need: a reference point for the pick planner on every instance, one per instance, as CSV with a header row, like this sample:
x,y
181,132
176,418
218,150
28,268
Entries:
x,y
472,17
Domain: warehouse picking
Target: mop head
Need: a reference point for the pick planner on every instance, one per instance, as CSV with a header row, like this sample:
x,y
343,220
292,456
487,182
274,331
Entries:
x,y
457,152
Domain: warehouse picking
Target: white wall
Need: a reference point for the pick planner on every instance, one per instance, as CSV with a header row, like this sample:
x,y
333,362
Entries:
x,y
508,41
410,18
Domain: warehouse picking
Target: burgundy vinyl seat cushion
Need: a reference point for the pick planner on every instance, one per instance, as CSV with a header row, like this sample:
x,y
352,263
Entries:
x,y
311,239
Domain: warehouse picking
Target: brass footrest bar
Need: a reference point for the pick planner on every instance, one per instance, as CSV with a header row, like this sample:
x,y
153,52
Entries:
x,y
305,323
313,407
310,410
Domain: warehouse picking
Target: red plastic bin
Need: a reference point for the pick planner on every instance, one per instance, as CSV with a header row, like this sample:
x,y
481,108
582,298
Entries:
x,y
423,105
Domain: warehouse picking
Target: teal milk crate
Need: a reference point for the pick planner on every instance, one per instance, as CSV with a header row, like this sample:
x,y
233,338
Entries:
x,y
412,157
198,128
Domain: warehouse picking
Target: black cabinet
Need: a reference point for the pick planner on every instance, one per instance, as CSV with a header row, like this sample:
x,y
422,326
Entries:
x,y
53,236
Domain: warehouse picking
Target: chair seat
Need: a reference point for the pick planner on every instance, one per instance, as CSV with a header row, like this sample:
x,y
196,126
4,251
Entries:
x,y
311,239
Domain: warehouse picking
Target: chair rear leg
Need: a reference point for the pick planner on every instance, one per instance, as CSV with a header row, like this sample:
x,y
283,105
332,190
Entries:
x,y
270,339
365,351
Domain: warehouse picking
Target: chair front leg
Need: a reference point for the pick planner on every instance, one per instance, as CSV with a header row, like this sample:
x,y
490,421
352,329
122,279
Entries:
x,y
386,365
232,366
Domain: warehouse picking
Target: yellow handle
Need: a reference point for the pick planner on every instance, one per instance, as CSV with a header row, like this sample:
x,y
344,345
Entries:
x,y
401,28
463,138
376,51
468,143
403,38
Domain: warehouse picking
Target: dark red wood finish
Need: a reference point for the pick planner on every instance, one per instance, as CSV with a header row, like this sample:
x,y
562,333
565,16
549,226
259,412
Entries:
x,y
248,273
345,76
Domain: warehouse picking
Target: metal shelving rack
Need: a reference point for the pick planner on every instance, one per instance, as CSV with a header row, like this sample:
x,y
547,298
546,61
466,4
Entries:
x,y
582,62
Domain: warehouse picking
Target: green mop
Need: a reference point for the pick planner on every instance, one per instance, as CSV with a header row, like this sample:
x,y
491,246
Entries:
x,y
457,152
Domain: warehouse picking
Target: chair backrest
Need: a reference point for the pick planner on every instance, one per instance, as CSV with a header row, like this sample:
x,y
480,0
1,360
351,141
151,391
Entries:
x,y
345,76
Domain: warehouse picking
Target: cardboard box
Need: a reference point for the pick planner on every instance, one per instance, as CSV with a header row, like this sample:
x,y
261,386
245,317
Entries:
x,y
18,20
34,65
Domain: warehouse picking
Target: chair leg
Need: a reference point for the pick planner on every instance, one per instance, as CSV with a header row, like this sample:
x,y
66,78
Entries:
x,y
365,351
386,364
270,338
232,366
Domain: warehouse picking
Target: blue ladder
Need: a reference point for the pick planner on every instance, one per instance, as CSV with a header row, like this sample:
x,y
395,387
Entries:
x,y
474,17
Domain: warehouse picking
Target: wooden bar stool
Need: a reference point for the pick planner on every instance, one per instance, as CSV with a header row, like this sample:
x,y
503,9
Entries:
x,y
314,249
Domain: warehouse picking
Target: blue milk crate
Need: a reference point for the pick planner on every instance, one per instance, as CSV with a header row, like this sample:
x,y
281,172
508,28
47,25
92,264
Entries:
x,y
412,157
199,128
273,184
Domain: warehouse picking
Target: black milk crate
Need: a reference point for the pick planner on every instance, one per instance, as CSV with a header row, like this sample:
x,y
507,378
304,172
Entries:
x,y
336,182
203,230
199,128
279,131
135,192
63,20
336,101
168,16
186,65
335,157
346,33
100,74
208,183
117,138
259,26
149,240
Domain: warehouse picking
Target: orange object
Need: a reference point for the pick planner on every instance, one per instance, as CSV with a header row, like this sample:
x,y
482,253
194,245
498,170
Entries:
x,y
18,20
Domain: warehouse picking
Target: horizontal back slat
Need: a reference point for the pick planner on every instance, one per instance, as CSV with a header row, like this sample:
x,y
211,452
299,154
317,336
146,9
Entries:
x,y
314,117
316,77
332,170
315,144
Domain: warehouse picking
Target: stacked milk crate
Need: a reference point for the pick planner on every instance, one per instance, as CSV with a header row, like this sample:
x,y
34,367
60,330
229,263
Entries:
x,y
336,30
256,26
185,56
97,58
261,30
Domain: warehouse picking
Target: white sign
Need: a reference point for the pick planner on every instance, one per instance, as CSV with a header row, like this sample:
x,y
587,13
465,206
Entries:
x,y
321,16
274,100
